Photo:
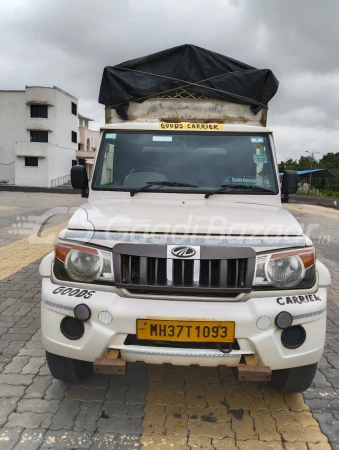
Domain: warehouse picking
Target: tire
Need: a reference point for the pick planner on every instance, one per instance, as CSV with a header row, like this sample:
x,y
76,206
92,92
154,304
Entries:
x,y
67,369
294,380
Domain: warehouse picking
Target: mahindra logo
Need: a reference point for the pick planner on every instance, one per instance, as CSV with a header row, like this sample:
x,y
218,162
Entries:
x,y
183,252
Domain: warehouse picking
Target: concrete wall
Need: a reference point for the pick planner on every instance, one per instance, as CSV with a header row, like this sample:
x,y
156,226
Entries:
x,y
12,120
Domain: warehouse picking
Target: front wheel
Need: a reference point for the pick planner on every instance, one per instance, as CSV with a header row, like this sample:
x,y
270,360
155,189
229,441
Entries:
x,y
67,369
294,380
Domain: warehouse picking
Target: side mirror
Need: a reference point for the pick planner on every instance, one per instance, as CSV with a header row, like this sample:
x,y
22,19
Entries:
x,y
79,179
289,184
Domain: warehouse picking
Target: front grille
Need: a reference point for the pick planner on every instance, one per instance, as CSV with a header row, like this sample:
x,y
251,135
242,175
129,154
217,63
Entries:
x,y
147,267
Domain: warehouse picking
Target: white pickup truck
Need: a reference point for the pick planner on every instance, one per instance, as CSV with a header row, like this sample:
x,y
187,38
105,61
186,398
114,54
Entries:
x,y
183,253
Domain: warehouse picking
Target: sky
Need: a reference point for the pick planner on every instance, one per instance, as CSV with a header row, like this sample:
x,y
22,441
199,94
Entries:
x,y
67,43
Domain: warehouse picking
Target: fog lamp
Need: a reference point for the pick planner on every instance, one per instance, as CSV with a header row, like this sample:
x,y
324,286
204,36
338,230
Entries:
x,y
82,312
284,320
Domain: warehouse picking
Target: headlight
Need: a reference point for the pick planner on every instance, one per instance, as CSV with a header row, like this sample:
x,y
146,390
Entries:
x,y
82,266
286,269
82,263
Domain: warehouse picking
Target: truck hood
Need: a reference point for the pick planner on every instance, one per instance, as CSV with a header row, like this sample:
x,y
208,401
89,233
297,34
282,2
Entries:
x,y
185,217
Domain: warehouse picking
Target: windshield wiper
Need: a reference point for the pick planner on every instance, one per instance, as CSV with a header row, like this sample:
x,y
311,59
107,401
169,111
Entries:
x,y
160,183
226,187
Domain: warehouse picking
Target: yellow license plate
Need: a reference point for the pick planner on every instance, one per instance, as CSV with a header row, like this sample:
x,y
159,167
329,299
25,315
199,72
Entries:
x,y
185,331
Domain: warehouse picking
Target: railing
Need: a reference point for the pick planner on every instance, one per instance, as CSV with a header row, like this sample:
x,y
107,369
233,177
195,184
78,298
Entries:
x,y
61,182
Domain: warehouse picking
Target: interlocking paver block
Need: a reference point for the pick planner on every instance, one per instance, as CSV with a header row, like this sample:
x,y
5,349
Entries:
x,y
85,395
38,388
174,373
65,416
8,391
16,380
296,432
259,445
31,439
9,437
248,389
154,420
106,441
244,428
124,410
117,391
29,420
170,399
265,425
136,393
210,429
176,421
156,372
246,402
16,365
201,443
201,375
215,394
87,417
33,365
320,446
291,417
219,414
295,402
67,439
165,387
164,442
274,399
38,405
56,391
195,394
7,406
224,444
295,446
96,381
120,425
31,351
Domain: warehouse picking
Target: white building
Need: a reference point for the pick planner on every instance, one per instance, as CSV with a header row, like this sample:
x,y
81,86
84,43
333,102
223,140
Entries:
x,y
87,145
38,136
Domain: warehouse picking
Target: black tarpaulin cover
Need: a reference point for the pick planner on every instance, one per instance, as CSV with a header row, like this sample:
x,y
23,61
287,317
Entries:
x,y
168,71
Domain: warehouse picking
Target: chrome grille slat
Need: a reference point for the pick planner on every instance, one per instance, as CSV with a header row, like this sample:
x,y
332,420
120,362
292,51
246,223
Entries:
x,y
150,267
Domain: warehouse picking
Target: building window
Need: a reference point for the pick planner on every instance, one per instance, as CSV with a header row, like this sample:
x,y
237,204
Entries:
x,y
39,136
31,161
39,111
74,137
74,109
88,146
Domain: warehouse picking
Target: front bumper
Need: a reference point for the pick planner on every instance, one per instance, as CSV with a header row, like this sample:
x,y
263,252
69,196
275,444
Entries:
x,y
308,311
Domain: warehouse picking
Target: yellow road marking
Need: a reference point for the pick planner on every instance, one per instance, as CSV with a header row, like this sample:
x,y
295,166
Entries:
x,y
19,254
323,212
6,208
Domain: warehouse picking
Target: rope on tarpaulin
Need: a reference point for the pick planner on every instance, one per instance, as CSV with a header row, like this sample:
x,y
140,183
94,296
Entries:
x,y
189,83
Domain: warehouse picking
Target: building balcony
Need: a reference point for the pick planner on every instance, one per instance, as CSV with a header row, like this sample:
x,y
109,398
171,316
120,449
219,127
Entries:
x,y
39,149
84,154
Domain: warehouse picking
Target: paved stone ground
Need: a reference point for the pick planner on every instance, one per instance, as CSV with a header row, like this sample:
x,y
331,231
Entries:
x,y
156,407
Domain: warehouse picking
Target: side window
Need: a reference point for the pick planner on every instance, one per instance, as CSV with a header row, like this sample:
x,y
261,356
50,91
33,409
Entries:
x,y
31,161
38,136
74,109
40,111
74,137
107,169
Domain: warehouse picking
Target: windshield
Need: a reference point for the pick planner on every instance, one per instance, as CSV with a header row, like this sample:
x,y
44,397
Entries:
x,y
202,161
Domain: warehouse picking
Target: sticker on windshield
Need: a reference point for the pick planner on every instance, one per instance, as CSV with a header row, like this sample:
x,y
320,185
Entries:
x,y
191,126
162,138
260,159
257,140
